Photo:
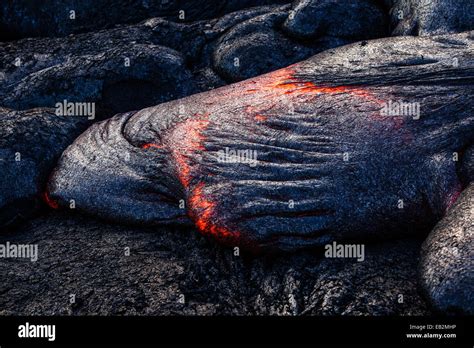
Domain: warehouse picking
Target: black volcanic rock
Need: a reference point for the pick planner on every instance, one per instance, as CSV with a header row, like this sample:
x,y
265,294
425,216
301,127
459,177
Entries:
x,y
447,264
167,60
119,70
30,143
356,20
430,17
255,47
288,35
174,272
25,18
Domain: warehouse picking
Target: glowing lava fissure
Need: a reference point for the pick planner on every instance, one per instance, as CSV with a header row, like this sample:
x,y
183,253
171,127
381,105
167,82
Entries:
x,y
185,142
49,201
151,145
285,81
203,212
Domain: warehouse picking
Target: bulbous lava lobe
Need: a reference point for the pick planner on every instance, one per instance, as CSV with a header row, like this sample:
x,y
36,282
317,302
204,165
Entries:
x,y
329,165
447,265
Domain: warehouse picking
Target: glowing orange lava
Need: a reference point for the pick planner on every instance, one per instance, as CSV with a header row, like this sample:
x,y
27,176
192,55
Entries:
x,y
205,208
309,87
190,140
283,82
260,118
151,145
187,141
50,202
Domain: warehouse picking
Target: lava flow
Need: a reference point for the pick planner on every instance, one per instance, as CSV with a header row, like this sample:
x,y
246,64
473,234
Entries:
x,y
186,143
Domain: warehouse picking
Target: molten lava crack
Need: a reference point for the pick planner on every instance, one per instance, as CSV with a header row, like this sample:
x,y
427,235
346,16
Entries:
x,y
185,142
203,211
49,201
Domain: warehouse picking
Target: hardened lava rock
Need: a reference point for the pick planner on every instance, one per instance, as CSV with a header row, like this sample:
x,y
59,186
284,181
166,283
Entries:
x,y
312,19
291,34
447,263
25,18
30,143
123,270
106,68
431,17
134,66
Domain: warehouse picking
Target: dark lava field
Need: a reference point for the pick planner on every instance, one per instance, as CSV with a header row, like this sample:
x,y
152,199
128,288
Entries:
x,y
201,157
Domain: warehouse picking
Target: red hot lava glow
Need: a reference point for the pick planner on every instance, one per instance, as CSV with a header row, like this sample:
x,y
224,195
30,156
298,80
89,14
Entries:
x,y
49,201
